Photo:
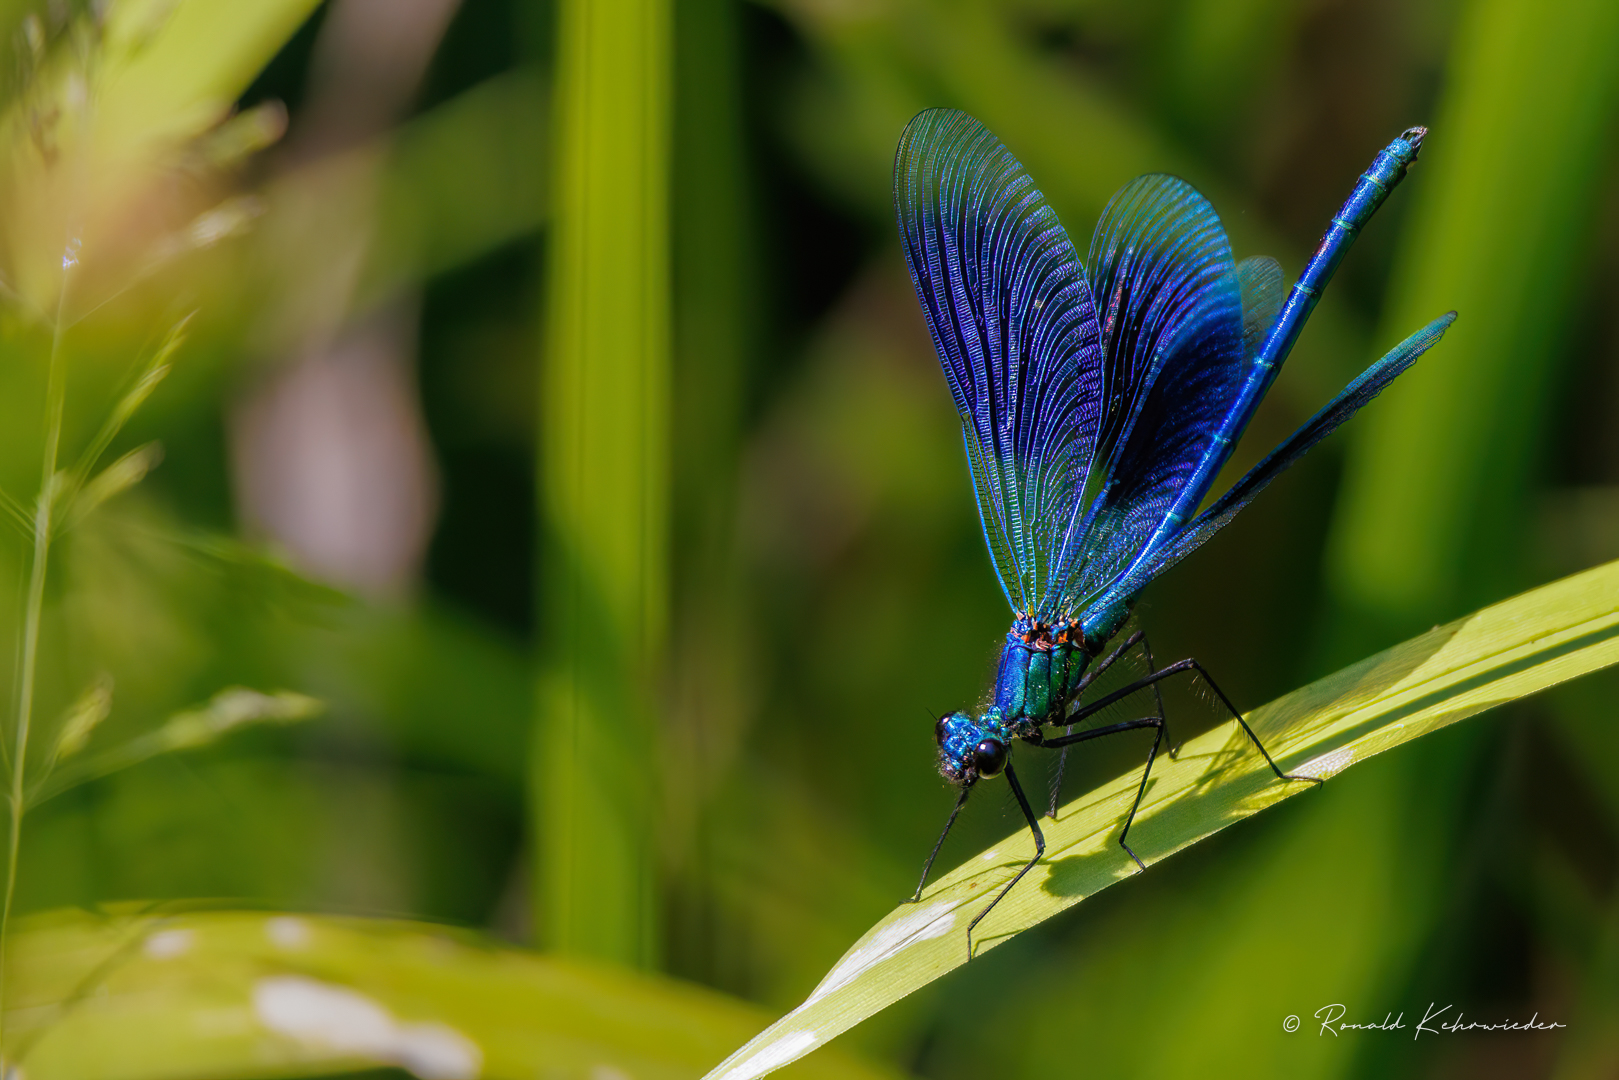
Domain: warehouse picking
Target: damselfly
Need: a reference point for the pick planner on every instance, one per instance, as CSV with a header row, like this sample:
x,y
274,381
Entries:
x,y
1098,400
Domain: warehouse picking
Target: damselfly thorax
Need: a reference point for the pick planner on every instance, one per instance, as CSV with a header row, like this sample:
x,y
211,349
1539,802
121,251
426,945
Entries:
x,y
1039,671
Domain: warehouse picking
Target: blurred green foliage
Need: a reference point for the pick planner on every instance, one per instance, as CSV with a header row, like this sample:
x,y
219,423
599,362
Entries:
x,y
346,503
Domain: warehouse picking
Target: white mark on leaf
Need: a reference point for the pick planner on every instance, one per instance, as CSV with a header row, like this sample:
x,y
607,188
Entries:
x,y
167,944
773,1055
338,1020
1328,764
933,921
286,932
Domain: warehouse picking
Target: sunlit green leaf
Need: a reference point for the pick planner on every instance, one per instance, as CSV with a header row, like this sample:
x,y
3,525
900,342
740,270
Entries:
x,y
154,995
1496,655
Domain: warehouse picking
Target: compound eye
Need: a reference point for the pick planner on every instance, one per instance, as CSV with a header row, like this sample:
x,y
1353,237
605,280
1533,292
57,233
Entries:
x,y
990,757
942,729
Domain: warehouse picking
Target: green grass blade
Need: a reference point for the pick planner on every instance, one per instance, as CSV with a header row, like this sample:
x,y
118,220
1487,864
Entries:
x,y
461,180
152,375
109,483
604,475
228,710
263,994
1504,652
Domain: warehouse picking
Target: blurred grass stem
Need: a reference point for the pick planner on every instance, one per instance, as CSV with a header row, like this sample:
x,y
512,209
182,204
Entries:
x,y
55,395
604,485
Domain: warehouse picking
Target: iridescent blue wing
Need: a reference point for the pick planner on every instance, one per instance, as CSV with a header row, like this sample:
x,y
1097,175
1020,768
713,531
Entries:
x,y
1005,297
1260,279
1318,427
1170,306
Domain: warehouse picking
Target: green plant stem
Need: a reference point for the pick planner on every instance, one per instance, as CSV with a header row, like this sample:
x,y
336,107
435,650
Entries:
x,y
604,486
55,395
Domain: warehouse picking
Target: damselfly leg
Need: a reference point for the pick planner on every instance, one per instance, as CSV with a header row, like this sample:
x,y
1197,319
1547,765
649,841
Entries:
x,y
1064,741
1181,667
1039,853
934,854
1137,638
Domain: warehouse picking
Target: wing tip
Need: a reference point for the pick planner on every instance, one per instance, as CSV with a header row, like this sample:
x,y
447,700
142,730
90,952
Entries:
x,y
1429,335
934,115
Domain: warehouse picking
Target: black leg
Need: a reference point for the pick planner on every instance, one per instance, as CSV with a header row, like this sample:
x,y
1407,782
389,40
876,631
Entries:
x,y
1158,699
1137,638
1178,668
1039,852
934,854
1157,722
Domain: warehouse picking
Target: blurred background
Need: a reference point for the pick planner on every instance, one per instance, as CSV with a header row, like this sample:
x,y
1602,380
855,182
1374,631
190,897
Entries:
x,y
557,409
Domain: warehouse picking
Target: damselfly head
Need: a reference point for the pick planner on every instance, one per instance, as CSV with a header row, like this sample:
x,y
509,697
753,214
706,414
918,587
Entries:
x,y
968,748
